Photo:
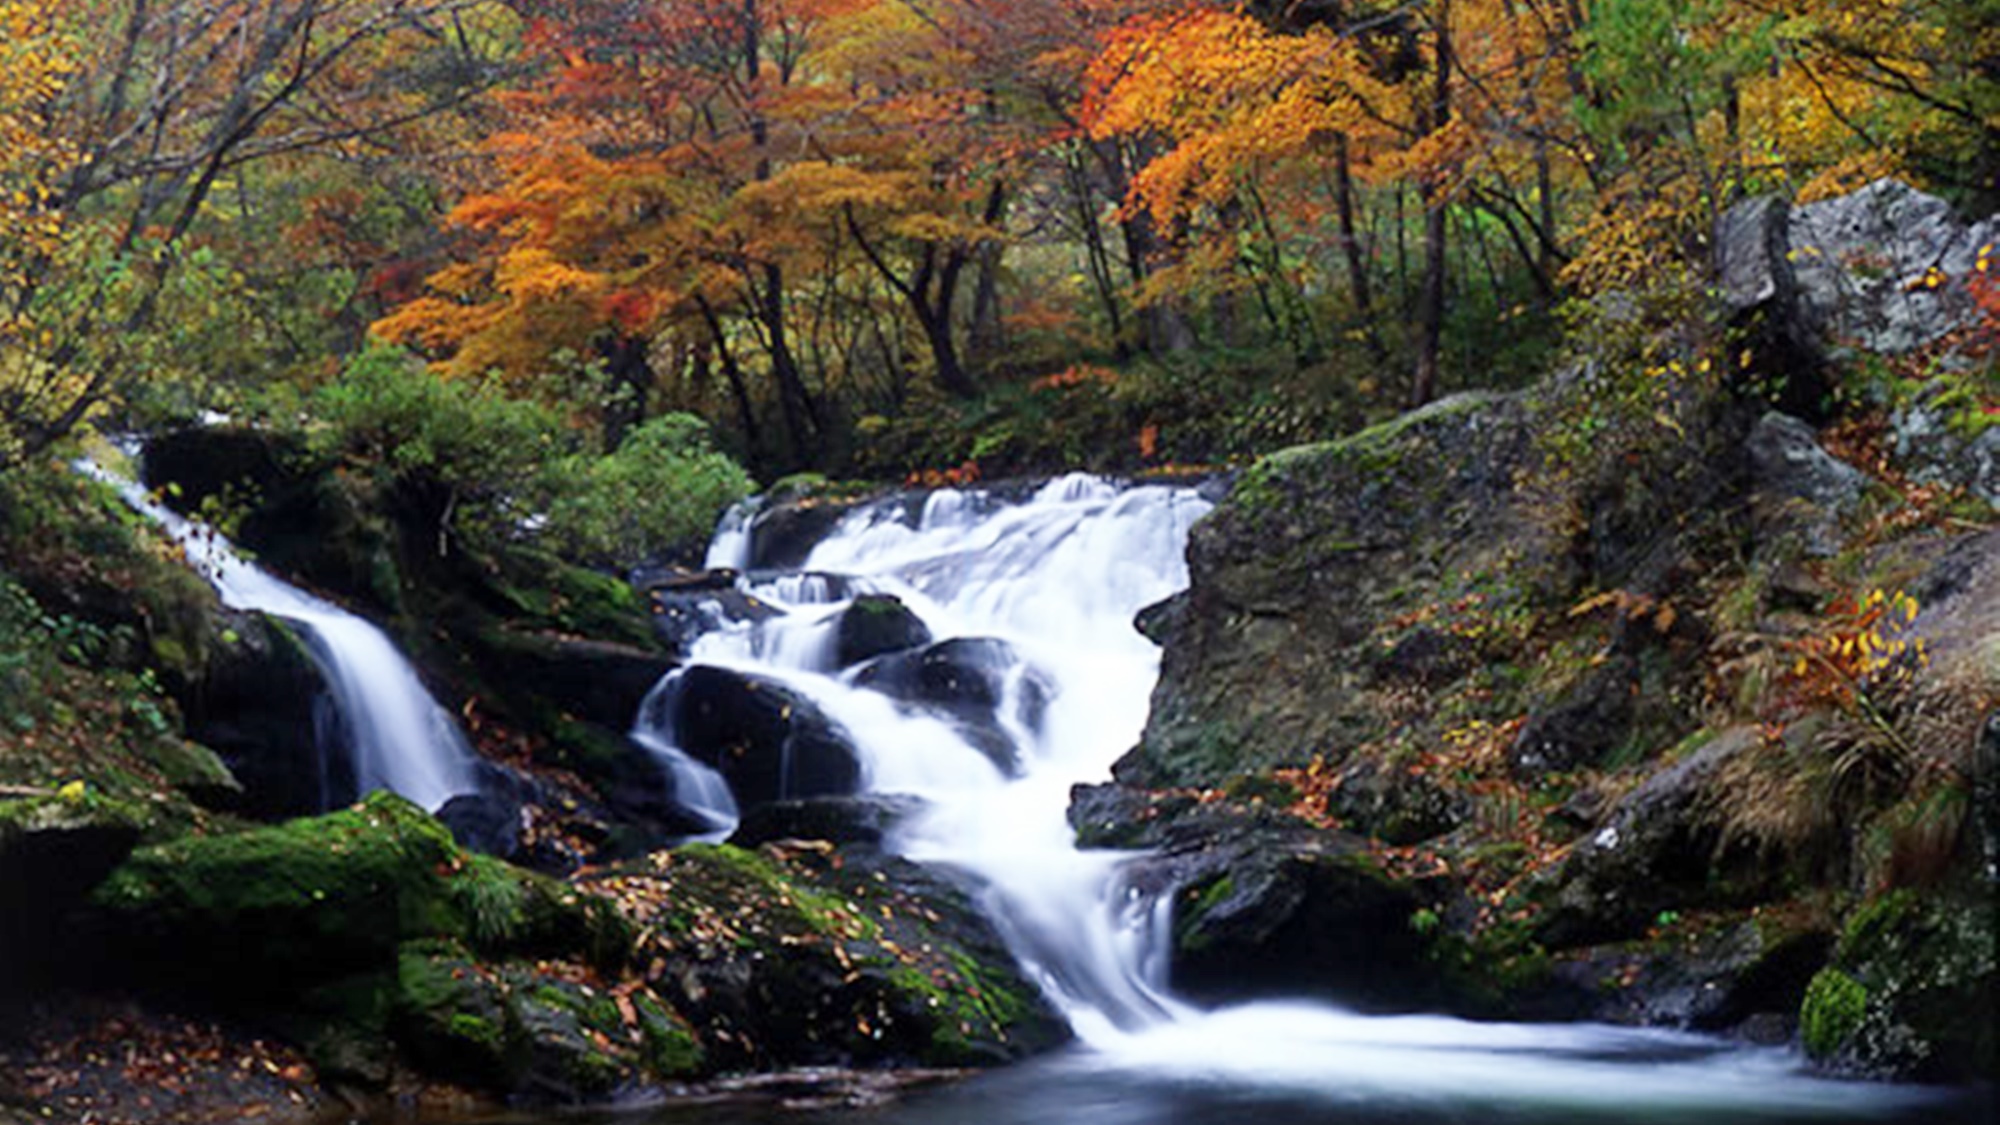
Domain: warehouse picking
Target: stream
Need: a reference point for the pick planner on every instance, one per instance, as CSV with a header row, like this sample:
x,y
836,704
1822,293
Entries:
x,y
1058,576
1055,577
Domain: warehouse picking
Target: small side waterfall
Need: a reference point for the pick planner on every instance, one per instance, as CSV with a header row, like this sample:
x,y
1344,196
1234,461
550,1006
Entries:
x,y
396,735
1059,576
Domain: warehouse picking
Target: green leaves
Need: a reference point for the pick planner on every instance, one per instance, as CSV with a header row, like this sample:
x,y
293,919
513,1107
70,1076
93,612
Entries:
x,y
665,486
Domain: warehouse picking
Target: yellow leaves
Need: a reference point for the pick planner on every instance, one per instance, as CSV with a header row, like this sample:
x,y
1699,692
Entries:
x,y
35,64
1232,96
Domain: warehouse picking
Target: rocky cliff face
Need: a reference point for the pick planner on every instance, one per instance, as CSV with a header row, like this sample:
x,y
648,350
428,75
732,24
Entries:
x,y
1576,697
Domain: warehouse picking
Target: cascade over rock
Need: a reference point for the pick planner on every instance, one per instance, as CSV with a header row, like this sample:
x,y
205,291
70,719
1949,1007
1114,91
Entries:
x,y
769,742
971,681
264,705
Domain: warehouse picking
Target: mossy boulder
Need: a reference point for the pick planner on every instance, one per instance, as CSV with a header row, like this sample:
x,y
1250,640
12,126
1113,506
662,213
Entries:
x,y
875,624
453,1017
1269,654
538,1031
314,899
306,899
1912,989
798,956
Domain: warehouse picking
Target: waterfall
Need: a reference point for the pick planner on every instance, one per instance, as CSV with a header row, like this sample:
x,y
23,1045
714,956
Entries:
x,y
398,737
1059,576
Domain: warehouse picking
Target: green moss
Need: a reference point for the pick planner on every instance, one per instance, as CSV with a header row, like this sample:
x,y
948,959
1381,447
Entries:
x,y
671,1049
1870,929
454,1015
825,913
493,901
306,895
1834,1006
73,807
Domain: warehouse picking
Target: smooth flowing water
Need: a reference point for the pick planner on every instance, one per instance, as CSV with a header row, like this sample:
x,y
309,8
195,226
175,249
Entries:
x,y
1059,575
397,737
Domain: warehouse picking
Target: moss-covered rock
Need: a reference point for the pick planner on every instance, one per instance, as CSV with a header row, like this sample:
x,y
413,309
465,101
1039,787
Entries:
x,y
317,898
1834,1006
453,1016
1912,989
1270,655
306,899
787,957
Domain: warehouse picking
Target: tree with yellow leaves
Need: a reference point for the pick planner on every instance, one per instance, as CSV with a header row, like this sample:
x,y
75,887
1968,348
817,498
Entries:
x,y
37,60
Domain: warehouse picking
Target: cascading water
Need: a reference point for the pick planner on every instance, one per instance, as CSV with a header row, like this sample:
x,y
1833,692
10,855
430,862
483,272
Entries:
x,y
396,735
1059,576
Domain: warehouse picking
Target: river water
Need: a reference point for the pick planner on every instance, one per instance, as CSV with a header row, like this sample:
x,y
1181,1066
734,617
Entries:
x,y
1058,575
377,713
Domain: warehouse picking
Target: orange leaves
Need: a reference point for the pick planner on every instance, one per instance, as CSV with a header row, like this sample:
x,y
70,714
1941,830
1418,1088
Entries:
x,y
1076,375
1229,93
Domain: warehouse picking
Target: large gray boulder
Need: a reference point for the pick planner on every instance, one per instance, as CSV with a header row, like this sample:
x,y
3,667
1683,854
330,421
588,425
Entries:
x,y
1882,268
1802,491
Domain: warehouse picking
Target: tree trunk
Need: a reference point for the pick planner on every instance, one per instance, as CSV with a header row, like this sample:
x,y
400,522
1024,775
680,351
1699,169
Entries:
x,y
1430,305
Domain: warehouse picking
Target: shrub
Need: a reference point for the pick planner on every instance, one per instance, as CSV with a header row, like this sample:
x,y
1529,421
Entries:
x,y
664,487
398,420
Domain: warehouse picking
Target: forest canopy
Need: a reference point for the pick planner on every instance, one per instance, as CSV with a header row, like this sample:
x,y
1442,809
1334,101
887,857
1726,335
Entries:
x,y
887,236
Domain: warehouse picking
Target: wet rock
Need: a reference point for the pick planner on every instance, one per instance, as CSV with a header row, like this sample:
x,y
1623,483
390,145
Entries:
x,y
689,604
1119,816
1160,621
1803,492
1266,906
487,823
784,535
768,741
967,681
629,789
863,821
262,705
1741,978
877,624
802,956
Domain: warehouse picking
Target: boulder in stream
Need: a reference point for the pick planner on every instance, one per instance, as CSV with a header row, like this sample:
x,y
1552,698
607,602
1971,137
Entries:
x,y
877,624
967,682
768,741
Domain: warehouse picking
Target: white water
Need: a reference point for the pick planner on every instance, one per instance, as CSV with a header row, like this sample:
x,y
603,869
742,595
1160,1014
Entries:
x,y
398,736
1060,576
